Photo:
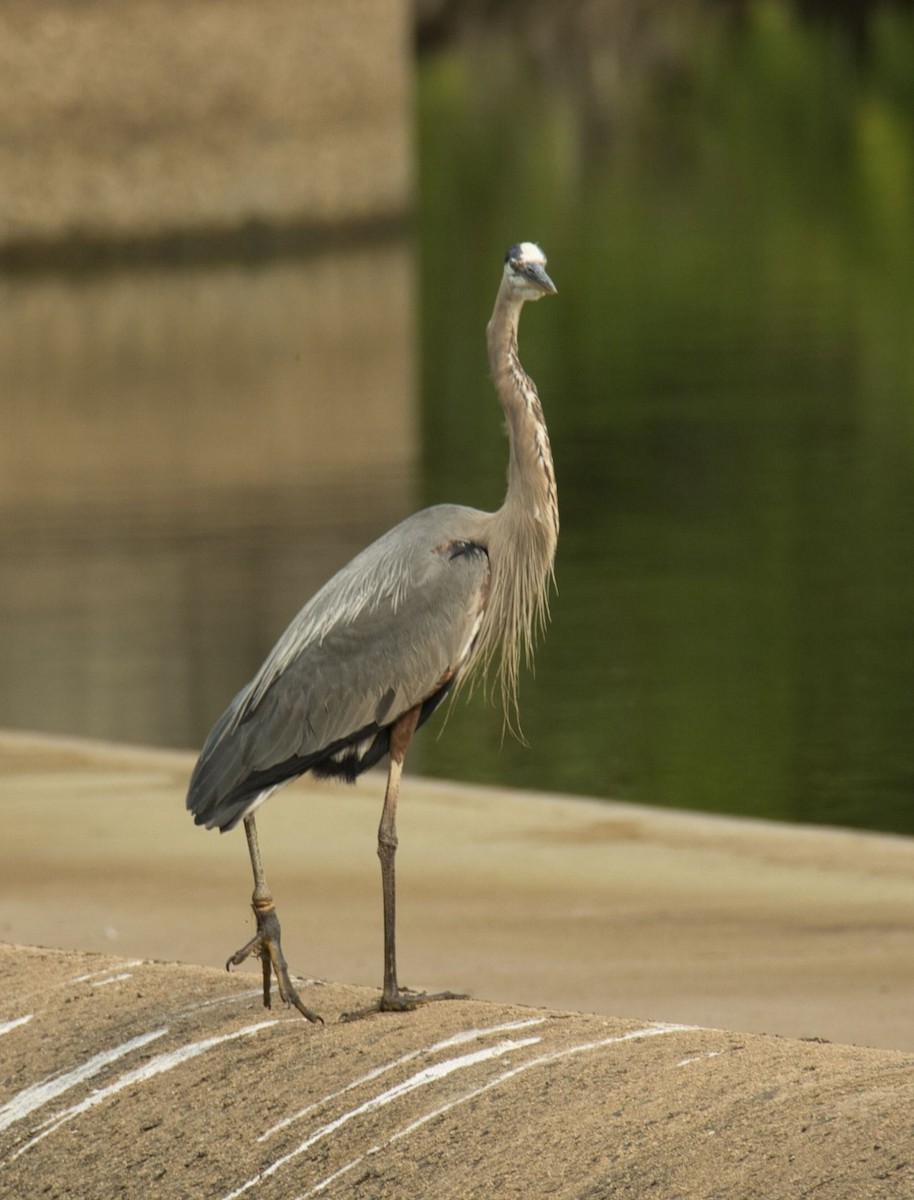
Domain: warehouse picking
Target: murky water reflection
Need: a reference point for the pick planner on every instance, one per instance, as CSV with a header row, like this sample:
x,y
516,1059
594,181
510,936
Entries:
x,y
184,457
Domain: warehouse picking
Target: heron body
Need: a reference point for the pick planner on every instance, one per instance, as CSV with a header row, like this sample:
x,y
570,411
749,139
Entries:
x,y
326,698
368,659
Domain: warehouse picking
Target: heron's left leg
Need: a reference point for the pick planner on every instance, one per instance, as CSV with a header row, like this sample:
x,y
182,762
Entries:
x,y
266,941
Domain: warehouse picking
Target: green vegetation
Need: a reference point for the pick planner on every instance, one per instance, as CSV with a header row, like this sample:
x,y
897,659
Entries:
x,y
728,375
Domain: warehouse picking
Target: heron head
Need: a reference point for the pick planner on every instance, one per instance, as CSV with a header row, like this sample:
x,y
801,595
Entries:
x,y
525,271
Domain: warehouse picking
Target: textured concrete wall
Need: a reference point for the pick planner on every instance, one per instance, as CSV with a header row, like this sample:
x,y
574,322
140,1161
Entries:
x,y
129,1080
136,120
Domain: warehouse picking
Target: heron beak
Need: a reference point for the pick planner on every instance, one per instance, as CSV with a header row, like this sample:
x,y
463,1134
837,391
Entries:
x,y
537,274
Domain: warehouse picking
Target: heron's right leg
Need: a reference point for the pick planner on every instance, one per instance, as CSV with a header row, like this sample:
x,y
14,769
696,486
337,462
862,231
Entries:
x,y
393,997
266,941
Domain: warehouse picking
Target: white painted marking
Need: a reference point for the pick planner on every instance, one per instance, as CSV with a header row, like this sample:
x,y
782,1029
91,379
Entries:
x,y
232,998
6,1026
542,1060
427,1075
134,962
155,1066
457,1039
39,1094
684,1062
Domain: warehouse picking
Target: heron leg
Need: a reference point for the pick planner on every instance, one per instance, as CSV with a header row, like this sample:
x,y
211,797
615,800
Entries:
x,y
400,735
265,943
393,997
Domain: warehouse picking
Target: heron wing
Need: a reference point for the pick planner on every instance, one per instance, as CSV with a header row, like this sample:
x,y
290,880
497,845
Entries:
x,y
387,633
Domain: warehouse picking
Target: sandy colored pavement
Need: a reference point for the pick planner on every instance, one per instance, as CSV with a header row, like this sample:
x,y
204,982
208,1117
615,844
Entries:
x,y
512,897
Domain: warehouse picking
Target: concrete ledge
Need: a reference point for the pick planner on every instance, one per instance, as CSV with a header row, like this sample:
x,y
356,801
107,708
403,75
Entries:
x,y
135,1079
140,122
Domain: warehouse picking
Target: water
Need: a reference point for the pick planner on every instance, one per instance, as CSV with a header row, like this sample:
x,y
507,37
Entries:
x,y
727,372
184,457
728,375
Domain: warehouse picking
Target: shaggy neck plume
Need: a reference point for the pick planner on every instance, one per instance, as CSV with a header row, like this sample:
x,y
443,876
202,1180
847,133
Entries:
x,y
525,529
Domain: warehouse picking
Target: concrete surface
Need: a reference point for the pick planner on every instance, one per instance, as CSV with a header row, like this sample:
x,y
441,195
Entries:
x,y
133,1079
143,121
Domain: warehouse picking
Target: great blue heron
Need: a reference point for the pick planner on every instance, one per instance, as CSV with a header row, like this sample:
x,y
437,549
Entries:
x,y
376,650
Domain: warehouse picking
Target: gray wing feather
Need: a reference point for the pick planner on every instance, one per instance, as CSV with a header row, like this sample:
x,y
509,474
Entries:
x,y
398,617
393,570
380,637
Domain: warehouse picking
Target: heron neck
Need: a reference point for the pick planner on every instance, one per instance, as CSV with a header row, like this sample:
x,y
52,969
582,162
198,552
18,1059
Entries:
x,y
522,534
531,498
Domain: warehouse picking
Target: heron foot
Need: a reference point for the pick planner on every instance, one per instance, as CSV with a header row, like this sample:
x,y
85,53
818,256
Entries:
x,y
403,1000
266,945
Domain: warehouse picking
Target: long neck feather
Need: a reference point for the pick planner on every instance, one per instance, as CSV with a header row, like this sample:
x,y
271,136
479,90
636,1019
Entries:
x,y
524,531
